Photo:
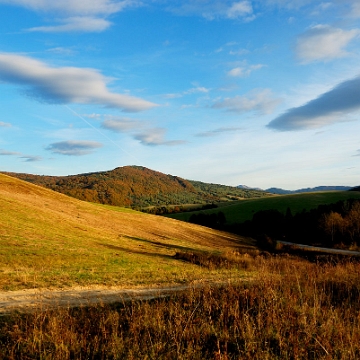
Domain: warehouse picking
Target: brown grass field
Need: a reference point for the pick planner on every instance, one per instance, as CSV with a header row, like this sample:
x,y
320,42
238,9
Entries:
x,y
49,240
294,309
289,308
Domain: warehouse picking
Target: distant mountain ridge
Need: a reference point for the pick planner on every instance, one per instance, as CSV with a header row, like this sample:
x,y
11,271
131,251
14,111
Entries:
x,y
280,191
137,186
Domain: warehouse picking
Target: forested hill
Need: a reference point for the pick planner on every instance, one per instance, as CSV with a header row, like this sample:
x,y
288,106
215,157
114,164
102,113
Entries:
x,y
137,186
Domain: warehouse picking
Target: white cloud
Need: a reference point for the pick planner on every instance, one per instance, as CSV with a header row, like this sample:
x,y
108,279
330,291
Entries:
x,y
155,137
31,158
244,71
261,101
239,9
79,15
173,96
71,7
62,51
219,131
332,106
4,124
9,153
321,8
239,52
146,136
27,158
322,42
198,89
121,124
65,84
75,24
213,9
93,116
194,90
355,9
293,4
74,147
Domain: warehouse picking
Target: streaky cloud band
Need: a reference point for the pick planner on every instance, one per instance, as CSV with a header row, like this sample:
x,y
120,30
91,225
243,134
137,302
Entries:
x,y
330,107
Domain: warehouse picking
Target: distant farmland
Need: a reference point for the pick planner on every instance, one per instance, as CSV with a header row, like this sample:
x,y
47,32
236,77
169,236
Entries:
x,y
241,211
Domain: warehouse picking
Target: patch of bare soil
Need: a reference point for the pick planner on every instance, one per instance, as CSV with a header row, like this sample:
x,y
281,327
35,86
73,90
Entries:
x,y
40,299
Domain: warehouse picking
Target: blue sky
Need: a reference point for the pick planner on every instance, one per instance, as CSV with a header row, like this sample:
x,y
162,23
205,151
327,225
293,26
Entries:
x,y
263,93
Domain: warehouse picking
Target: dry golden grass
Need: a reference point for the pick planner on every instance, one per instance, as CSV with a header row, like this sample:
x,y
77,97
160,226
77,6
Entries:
x,y
294,310
50,240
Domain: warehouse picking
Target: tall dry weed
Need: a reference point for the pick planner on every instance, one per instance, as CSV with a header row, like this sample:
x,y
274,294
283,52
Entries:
x,y
294,309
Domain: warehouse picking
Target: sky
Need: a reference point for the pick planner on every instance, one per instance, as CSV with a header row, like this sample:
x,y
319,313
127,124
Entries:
x,y
263,93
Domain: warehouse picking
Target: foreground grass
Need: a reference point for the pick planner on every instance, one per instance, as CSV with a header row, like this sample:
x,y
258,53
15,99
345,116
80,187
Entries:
x,y
293,310
241,211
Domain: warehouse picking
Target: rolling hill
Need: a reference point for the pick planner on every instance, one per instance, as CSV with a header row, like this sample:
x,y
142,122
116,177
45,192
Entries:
x,y
279,191
307,190
238,212
137,186
48,239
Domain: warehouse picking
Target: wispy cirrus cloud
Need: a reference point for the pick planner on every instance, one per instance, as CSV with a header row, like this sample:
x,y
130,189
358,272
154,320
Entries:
x,y
75,24
27,158
156,137
9,153
323,43
261,101
213,9
193,90
69,15
355,9
197,89
139,131
331,107
120,124
244,71
4,124
219,131
62,51
293,4
66,7
30,158
65,84
74,147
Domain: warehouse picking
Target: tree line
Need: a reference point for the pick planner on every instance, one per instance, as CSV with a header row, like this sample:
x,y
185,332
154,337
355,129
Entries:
x,y
328,225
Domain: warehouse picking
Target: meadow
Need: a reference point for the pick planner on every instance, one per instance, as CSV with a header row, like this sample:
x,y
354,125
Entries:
x,y
240,211
242,302
49,240
292,309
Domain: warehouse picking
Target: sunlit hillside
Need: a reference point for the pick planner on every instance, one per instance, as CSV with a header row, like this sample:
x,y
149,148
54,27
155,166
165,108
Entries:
x,y
137,186
50,240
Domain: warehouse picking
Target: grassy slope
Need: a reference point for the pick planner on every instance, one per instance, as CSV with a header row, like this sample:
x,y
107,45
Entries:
x,y
50,240
244,210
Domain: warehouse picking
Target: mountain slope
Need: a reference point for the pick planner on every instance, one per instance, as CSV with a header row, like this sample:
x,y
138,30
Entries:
x,y
51,240
137,186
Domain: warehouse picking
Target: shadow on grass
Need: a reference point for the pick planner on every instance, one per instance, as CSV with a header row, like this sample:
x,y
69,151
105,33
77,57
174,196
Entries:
x,y
134,251
145,252
168,246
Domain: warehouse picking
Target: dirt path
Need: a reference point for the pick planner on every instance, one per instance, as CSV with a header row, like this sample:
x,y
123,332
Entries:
x,y
29,300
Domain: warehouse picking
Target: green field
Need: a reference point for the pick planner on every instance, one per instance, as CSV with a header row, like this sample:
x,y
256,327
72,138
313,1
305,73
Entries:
x,y
241,211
